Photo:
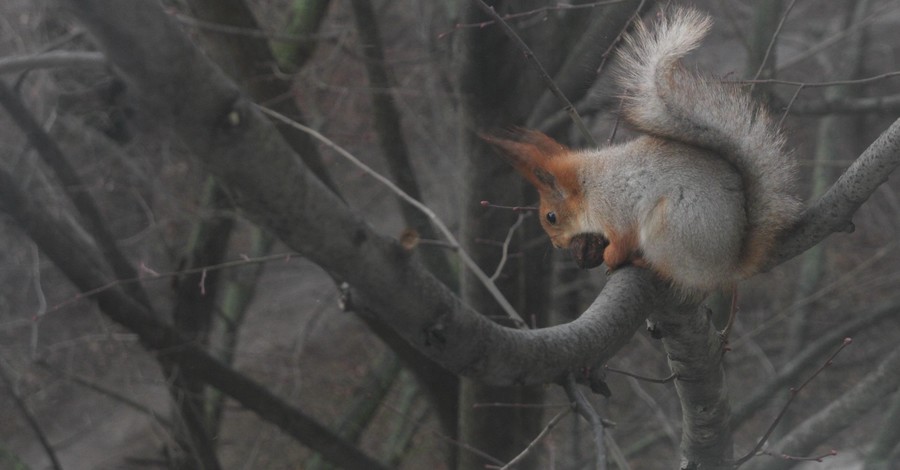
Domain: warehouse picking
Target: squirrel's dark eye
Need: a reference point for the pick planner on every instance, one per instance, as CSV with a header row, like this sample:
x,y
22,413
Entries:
x,y
551,217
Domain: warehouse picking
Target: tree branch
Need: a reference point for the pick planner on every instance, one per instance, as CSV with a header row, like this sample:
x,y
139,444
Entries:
x,y
49,60
847,105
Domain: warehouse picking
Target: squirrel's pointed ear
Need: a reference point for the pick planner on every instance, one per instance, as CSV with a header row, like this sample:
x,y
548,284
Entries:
x,y
529,152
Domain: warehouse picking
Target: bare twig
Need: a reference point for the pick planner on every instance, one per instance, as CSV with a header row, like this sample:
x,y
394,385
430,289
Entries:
x,y
560,6
587,411
850,30
794,393
548,81
48,60
787,108
74,188
873,104
463,255
762,63
97,388
241,31
41,298
544,432
807,357
29,417
641,377
618,38
859,81
818,458
155,276
505,256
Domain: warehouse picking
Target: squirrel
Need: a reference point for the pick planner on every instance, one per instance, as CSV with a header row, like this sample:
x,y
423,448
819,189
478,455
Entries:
x,y
700,197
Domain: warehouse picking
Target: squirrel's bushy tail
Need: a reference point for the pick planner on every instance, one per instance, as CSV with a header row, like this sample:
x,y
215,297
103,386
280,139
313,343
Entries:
x,y
663,99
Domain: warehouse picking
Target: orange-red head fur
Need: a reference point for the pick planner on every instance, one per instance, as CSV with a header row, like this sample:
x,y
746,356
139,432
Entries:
x,y
550,167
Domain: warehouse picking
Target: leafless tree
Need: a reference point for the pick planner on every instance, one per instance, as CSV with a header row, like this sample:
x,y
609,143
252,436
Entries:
x,y
258,134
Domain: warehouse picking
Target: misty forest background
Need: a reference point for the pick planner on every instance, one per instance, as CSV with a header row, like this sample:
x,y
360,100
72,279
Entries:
x,y
189,282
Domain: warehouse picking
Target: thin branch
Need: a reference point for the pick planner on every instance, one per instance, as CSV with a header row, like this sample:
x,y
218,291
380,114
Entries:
x,y
868,393
463,255
29,417
155,276
548,81
247,32
874,104
875,16
76,258
807,357
387,123
74,187
664,380
794,392
762,63
859,81
97,388
587,411
531,445
792,458
560,6
51,60
612,45
506,242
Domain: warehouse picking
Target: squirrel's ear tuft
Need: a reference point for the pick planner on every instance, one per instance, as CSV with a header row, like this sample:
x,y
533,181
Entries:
x,y
536,140
528,151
